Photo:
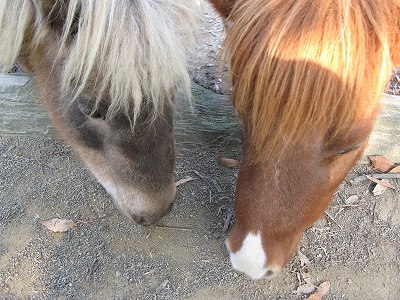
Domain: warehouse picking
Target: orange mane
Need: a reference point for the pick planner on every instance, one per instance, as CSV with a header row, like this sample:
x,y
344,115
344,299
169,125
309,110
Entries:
x,y
306,68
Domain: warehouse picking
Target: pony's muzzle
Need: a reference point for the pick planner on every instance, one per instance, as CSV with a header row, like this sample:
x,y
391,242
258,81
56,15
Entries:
x,y
250,257
271,273
144,209
147,220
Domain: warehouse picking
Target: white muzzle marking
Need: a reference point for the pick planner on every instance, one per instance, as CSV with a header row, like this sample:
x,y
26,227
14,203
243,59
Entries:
x,y
251,258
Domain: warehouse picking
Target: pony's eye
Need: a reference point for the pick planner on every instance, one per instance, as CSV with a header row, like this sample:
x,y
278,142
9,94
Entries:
x,y
86,107
97,115
347,150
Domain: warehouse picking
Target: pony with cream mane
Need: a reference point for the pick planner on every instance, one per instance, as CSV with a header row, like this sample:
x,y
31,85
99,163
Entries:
x,y
108,73
307,76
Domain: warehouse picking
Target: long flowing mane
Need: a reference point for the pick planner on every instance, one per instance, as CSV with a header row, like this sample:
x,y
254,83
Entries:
x,y
304,68
135,49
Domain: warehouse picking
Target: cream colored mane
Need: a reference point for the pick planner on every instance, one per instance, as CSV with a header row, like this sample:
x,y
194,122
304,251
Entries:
x,y
132,49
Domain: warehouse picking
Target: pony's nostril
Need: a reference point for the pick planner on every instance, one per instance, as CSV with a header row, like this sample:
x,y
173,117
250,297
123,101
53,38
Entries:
x,y
170,207
141,220
149,219
269,274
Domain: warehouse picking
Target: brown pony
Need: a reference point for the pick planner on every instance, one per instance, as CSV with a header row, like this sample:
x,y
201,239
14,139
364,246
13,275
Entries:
x,y
307,76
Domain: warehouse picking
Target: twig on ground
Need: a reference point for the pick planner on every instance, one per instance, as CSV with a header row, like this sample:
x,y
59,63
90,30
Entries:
x,y
361,178
340,210
345,205
220,209
227,222
373,212
95,265
333,220
174,227
383,183
162,286
94,220
184,180
210,181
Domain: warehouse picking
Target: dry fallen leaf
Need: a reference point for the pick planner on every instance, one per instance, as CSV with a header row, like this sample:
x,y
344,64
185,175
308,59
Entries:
x,y
304,261
58,225
307,277
184,180
380,163
308,286
228,162
161,286
352,199
384,183
379,189
305,289
351,176
321,291
395,170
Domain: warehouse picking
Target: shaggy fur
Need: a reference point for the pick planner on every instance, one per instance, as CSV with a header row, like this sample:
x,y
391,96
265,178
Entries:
x,y
132,51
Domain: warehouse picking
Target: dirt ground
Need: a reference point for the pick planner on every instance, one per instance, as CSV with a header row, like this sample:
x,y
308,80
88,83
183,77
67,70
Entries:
x,y
356,248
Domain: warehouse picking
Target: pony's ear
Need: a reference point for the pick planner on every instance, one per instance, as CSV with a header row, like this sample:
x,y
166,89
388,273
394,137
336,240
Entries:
x,y
223,7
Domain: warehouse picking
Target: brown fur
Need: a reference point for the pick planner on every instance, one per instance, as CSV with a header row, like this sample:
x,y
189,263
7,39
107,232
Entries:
x,y
142,161
136,167
307,77
281,199
279,53
223,7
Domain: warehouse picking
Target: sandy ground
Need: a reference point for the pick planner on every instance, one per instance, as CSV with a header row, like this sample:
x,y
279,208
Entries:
x,y
357,249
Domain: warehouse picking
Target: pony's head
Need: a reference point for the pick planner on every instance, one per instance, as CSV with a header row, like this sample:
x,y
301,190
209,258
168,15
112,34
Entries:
x,y
108,87
307,77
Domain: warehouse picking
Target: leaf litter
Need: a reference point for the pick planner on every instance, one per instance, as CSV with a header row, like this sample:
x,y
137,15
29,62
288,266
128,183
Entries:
x,y
304,261
321,291
381,163
184,180
353,199
306,282
228,162
59,225
380,189
395,170
309,283
381,182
